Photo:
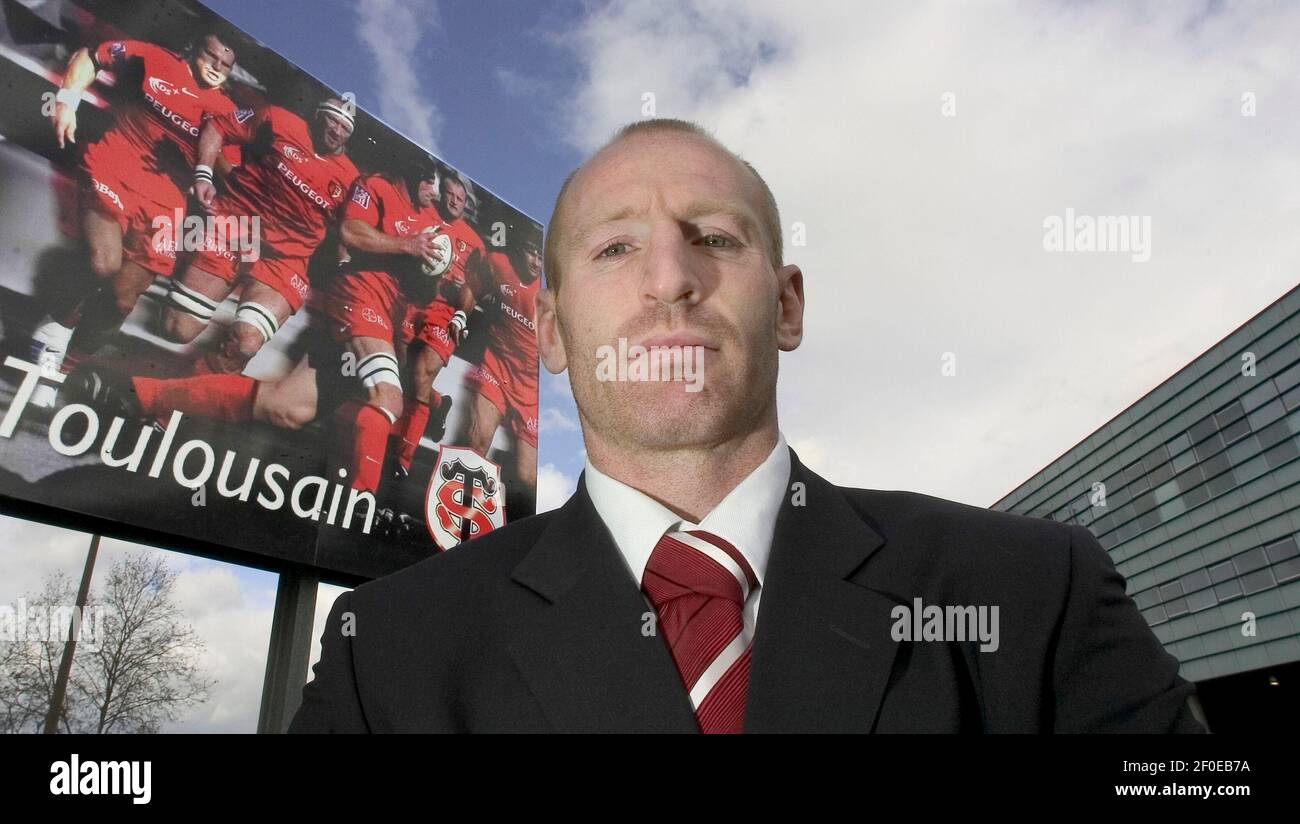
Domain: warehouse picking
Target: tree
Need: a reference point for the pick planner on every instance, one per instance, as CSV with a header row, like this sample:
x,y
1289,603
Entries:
x,y
135,667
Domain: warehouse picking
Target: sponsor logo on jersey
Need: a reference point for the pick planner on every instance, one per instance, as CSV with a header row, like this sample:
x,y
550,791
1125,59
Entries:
x,y
361,196
164,87
517,316
465,499
302,186
170,116
116,51
242,115
107,192
293,153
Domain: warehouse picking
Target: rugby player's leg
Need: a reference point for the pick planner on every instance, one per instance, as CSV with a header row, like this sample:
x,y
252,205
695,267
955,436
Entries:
x,y
424,366
192,301
102,317
362,426
262,310
53,335
484,417
292,401
526,464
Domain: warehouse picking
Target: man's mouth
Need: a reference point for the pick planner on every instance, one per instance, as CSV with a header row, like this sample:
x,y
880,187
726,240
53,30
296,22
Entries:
x,y
681,339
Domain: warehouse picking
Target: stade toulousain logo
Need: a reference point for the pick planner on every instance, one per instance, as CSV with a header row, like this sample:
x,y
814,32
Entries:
x,y
466,498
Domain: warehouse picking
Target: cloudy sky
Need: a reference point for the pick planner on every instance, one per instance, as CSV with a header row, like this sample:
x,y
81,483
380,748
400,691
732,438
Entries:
x,y
922,146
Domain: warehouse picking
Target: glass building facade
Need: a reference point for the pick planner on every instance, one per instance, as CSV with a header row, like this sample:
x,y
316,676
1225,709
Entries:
x,y
1194,490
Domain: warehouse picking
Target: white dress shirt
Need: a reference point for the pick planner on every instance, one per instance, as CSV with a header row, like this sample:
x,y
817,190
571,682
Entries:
x,y
746,517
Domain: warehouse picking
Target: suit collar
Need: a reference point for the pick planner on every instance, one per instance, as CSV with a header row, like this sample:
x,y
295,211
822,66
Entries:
x,y
822,650
588,659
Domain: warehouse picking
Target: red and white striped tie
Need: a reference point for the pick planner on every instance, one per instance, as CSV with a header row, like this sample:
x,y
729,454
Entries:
x,y
699,583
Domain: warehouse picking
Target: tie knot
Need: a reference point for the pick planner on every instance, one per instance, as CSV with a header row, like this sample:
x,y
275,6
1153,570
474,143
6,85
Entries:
x,y
696,562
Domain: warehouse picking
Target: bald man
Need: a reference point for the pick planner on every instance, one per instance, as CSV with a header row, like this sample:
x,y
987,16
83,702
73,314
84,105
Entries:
x,y
701,579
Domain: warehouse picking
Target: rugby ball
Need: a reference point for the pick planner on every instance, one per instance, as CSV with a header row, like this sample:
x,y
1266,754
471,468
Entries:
x,y
439,265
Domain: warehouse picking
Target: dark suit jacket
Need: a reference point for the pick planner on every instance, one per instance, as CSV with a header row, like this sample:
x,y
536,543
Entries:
x,y
538,626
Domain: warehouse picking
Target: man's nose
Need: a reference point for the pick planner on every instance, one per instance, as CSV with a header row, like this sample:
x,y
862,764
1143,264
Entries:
x,y
670,274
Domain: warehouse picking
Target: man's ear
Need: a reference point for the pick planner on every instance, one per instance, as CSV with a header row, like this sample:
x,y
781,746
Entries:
x,y
550,344
789,310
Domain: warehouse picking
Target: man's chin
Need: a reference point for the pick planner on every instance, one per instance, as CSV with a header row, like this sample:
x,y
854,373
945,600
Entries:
x,y
668,415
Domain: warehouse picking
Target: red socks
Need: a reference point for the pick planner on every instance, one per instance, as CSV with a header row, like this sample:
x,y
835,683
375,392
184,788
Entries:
x,y
410,428
224,397
361,438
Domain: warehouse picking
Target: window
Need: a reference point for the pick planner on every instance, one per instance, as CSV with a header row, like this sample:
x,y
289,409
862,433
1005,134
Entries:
x,y
1236,431
1227,590
1194,580
1230,413
1257,581
1170,591
1204,599
1250,560
1202,429
1281,550
1222,572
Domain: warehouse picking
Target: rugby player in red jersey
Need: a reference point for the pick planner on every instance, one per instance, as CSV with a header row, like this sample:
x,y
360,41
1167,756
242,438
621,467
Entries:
x,y
138,171
352,367
444,322
503,388
294,179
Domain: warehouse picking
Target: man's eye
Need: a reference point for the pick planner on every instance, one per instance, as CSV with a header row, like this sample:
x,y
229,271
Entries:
x,y
605,253
717,241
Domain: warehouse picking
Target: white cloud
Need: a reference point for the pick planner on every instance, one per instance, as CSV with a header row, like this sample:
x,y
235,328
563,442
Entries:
x,y
553,487
924,232
393,31
554,420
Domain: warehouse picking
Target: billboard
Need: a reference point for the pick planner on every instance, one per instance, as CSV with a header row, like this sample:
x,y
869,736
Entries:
x,y
241,315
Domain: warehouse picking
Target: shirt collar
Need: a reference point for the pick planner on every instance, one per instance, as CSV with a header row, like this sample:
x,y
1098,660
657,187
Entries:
x,y
746,516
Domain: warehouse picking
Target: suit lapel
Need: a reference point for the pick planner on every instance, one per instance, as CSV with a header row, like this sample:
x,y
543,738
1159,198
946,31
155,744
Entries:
x,y
587,660
822,649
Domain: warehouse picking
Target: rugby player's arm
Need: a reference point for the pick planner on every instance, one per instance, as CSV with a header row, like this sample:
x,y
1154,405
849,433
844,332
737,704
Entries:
x,y
80,74
360,236
211,140
477,279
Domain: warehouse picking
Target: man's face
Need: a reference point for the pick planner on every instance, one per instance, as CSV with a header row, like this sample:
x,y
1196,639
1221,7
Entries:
x,y
533,260
212,62
662,244
453,198
331,132
426,193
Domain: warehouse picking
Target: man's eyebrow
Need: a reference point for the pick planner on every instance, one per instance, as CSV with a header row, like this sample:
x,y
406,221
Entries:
x,y
704,208
697,210
584,232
